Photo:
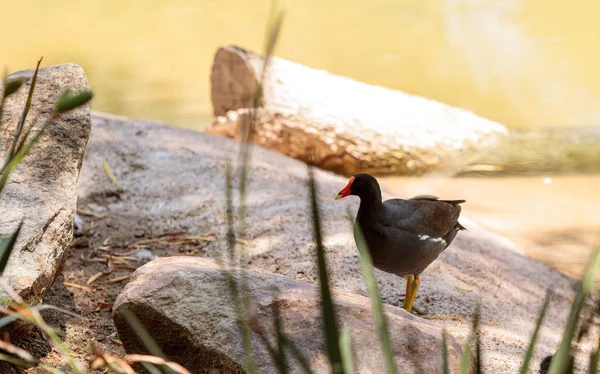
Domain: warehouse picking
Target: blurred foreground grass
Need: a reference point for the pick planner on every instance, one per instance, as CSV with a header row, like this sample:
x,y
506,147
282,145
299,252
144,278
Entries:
x,y
339,350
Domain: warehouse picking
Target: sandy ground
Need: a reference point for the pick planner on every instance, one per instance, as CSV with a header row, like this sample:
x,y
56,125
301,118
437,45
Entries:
x,y
172,183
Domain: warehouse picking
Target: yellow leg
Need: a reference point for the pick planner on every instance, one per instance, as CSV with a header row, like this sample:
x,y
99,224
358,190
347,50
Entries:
x,y
407,297
413,293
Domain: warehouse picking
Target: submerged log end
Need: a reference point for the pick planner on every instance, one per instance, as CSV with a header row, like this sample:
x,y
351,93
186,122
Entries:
x,y
233,82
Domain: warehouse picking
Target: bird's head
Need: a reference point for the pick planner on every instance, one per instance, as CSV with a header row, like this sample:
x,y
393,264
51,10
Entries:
x,y
361,185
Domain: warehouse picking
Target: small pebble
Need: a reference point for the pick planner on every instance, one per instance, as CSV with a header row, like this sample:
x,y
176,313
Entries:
x,y
78,225
144,255
139,232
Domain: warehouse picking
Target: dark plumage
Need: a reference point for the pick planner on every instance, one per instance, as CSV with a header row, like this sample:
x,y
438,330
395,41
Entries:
x,y
404,236
545,365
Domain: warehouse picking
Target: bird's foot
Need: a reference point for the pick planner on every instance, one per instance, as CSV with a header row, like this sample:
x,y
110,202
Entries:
x,y
419,311
412,287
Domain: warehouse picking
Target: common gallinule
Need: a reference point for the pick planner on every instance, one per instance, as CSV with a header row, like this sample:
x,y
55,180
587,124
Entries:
x,y
545,365
403,236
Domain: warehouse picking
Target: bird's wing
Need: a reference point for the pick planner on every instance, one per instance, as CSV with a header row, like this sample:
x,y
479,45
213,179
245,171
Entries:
x,y
425,197
423,216
435,198
398,251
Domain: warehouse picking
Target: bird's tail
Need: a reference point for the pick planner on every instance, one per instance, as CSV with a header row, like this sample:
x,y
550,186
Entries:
x,y
456,202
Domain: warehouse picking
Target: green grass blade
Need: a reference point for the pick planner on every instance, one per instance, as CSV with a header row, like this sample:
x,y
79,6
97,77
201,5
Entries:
x,y
52,370
594,356
272,351
238,303
379,319
9,319
477,335
272,34
562,358
15,361
330,323
6,247
229,212
274,25
240,320
145,337
67,101
142,333
298,356
445,365
346,350
2,100
24,113
12,85
151,368
535,335
273,28
281,359
277,355
8,167
466,361
52,307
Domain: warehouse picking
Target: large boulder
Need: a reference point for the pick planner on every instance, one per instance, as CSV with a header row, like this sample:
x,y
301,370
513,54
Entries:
x,y
173,180
346,125
186,300
42,191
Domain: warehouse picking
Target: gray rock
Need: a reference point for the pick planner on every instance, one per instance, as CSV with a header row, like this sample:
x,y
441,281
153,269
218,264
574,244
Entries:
x,y
184,303
42,191
182,188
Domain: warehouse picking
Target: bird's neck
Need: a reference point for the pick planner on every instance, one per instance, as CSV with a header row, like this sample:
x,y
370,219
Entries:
x,y
371,202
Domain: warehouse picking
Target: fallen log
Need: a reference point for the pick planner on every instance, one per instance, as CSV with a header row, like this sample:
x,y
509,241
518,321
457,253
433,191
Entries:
x,y
344,125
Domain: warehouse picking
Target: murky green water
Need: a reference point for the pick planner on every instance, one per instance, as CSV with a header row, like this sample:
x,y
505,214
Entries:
x,y
520,62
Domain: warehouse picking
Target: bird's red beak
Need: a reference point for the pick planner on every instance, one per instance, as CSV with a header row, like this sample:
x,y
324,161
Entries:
x,y
346,191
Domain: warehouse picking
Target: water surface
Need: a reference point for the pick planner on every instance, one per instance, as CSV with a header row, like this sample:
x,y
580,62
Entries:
x,y
519,62
553,219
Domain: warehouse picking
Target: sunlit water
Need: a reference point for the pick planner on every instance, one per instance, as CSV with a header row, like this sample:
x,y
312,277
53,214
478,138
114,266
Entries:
x,y
550,218
522,63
